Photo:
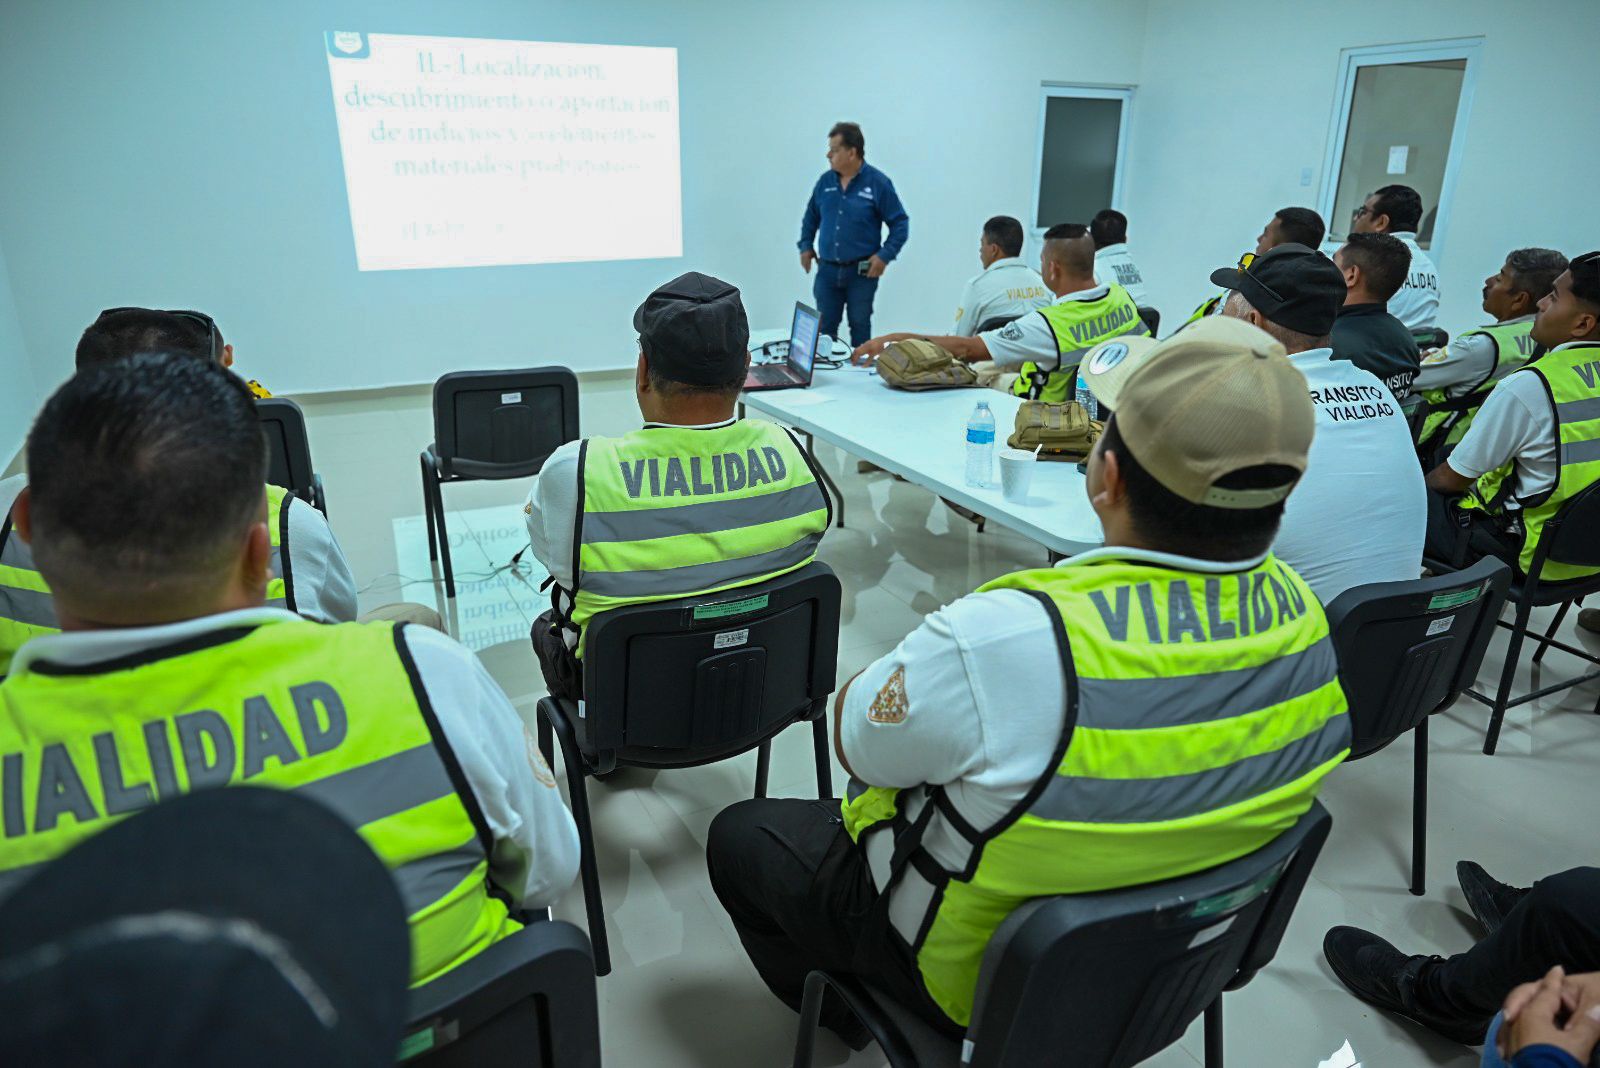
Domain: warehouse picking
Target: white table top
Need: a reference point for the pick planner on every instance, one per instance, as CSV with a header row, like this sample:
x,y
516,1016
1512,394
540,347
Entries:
x,y
922,438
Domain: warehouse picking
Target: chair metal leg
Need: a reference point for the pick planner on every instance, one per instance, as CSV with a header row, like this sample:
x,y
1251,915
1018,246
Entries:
x,y
1507,675
810,1015
588,870
1214,1034
763,765
444,540
1419,809
427,507
1544,643
819,742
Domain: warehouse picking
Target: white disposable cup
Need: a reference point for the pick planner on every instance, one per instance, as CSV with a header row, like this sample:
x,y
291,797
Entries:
x,y
1016,474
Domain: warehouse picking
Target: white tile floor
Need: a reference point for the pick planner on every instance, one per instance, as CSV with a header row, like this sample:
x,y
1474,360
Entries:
x,y
682,992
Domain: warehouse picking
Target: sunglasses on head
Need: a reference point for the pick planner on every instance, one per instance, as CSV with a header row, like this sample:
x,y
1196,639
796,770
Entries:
x,y
205,321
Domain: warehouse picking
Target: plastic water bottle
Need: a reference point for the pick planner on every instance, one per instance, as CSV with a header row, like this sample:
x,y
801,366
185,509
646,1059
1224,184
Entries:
x,y
1085,398
980,445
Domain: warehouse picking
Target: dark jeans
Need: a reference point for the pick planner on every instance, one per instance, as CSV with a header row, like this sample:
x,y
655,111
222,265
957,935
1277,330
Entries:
x,y
799,893
1448,540
836,287
563,671
1557,922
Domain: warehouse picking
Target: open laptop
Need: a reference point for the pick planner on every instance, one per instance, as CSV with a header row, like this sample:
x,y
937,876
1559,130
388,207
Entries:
x,y
795,371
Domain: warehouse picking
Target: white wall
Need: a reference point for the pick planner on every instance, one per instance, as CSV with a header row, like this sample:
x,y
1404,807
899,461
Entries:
x,y
19,390
182,153
1235,98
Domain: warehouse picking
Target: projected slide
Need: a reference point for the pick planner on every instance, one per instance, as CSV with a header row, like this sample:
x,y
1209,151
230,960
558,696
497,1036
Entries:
x,y
471,153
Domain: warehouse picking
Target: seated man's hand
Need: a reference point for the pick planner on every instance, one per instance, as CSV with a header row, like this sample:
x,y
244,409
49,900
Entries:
x,y
869,351
1556,1011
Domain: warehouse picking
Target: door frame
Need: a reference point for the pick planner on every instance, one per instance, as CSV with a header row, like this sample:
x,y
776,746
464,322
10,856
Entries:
x,y
1049,91
1351,60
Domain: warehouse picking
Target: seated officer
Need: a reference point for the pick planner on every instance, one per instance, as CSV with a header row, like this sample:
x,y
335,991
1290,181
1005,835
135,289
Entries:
x,y
1364,333
1046,347
309,572
1112,260
1455,380
1006,288
1298,226
1397,210
1534,444
146,515
1359,513
1207,709
696,502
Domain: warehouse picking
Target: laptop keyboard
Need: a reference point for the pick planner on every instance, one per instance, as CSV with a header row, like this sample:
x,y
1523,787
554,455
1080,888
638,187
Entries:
x,y
770,373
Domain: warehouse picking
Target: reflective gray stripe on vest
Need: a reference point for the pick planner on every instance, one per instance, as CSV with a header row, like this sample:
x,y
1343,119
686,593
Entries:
x,y
1580,452
385,787
428,879
1083,800
1578,411
1180,700
24,606
682,580
709,517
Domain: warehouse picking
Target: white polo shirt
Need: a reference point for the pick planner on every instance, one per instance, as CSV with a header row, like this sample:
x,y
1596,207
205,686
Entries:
x,y
1114,264
535,854
324,588
984,701
1516,422
1007,287
1462,364
1417,302
1030,337
1359,513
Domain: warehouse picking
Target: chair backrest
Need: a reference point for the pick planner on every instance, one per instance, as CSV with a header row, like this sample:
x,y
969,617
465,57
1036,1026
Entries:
x,y
1407,649
995,322
528,1000
1152,319
503,423
1416,409
1116,976
288,448
1568,536
1430,337
709,675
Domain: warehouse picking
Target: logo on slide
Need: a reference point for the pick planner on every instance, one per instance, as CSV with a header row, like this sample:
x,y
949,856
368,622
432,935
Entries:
x,y
346,44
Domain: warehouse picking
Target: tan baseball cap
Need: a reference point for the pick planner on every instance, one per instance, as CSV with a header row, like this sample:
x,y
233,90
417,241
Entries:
x,y
1216,397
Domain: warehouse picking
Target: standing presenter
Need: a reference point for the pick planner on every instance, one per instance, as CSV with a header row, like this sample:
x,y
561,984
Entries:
x,y
849,207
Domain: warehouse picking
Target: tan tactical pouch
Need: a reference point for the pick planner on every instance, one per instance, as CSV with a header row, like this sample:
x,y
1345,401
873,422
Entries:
x,y
918,365
1065,430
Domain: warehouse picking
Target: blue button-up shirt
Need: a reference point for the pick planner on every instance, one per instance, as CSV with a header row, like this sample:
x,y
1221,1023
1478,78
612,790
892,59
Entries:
x,y
847,224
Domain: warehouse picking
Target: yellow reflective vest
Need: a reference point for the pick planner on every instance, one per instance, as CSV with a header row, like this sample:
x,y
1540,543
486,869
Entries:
x,y
335,713
1078,326
1449,417
1203,710
27,609
673,512
1571,377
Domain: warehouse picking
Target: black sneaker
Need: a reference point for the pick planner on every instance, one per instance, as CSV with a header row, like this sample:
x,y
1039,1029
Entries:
x,y
1489,899
1381,975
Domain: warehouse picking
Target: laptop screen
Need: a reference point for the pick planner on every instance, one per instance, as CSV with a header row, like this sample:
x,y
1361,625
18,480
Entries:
x,y
803,340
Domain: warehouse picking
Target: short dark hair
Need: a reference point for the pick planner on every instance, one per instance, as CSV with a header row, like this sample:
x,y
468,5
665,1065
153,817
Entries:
x,y
1301,226
1171,524
1384,261
1586,277
124,332
1402,204
669,387
144,473
850,136
1534,270
1069,232
1004,232
1108,227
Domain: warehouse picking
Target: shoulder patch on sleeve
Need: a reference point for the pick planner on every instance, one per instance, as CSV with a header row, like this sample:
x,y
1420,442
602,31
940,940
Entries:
x,y
891,705
1011,331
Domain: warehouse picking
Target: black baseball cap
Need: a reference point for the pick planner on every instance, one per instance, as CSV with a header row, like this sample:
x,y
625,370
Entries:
x,y
237,926
693,330
1292,285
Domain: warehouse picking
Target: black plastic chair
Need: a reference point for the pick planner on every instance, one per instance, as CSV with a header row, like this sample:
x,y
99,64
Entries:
x,y
289,450
1568,537
1430,337
677,684
1152,319
528,1000
995,322
492,425
1407,650
1105,979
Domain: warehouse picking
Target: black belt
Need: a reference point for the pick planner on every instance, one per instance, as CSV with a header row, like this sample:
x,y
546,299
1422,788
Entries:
x,y
846,263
